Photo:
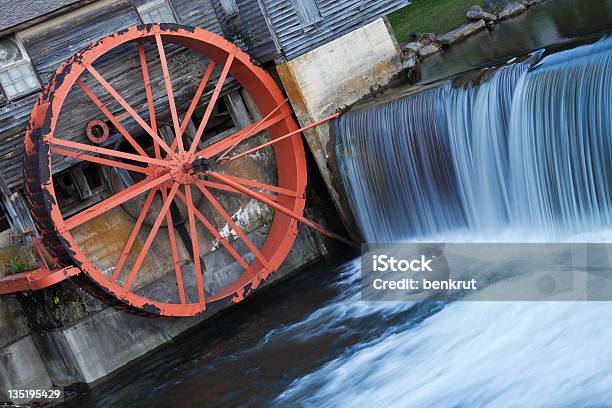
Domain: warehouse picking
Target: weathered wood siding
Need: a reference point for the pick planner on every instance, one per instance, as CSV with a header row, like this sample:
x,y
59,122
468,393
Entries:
x,y
248,29
52,42
338,17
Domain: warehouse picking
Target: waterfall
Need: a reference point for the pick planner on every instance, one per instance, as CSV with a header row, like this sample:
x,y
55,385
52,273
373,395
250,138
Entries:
x,y
527,148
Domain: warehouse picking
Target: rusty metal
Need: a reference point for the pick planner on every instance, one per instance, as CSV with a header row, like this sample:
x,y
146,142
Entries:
x,y
172,174
39,278
273,141
97,131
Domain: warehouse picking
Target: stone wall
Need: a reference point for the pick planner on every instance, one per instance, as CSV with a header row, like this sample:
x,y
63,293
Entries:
x,y
332,77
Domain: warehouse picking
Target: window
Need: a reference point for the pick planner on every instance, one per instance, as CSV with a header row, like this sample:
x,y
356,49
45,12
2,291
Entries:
x,y
4,221
307,11
157,11
17,74
78,187
230,8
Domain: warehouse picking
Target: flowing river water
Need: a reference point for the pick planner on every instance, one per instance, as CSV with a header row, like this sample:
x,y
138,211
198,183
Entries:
x,y
527,157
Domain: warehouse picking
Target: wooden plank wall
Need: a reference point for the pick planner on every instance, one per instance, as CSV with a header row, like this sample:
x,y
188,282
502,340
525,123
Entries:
x,y
52,42
248,29
339,17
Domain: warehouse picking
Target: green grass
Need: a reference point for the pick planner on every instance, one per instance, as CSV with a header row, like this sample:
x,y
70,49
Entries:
x,y
429,16
18,266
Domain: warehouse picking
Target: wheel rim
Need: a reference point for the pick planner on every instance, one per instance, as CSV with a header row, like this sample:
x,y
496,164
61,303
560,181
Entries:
x,y
174,174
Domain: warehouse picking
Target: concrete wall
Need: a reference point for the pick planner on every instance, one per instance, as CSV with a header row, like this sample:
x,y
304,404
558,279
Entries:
x,y
332,77
78,339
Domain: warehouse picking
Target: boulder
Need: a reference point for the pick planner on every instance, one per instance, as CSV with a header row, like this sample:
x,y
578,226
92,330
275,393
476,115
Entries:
x,y
511,10
529,3
475,8
462,32
429,37
481,15
414,46
428,50
409,62
490,4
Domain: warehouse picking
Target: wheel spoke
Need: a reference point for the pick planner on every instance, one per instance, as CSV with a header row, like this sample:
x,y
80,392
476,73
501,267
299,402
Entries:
x,y
168,82
253,130
130,242
227,142
128,108
278,139
108,152
111,117
211,228
151,104
235,227
175,258
263,186
213,101
197,96
194,243
115,200
224,187
284,210
147,245
100,160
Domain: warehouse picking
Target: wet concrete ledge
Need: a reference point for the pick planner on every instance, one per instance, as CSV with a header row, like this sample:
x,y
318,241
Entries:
x,y
93,340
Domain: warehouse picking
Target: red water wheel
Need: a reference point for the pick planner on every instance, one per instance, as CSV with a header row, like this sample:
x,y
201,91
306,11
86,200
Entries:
x,y
174,199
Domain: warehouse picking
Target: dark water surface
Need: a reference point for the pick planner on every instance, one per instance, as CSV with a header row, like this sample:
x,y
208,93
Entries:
x,y
551,23
250,354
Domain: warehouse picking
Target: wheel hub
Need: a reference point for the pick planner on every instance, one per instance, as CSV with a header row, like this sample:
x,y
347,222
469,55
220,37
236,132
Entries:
x,y
183,170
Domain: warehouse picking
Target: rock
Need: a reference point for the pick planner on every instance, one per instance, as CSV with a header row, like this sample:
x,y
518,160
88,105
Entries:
x,y
414,46
428,50
530,3
429,37
462,32
409,62
475,8
511,10
481,15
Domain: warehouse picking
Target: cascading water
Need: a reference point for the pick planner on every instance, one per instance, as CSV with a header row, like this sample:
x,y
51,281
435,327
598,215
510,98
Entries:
x,y
529,149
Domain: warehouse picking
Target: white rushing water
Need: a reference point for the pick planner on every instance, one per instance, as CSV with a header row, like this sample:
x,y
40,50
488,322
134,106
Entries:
x,y
464,354
522,157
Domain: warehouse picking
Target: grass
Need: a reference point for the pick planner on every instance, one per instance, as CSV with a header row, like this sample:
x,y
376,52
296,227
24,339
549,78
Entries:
x,y
18,266
429,16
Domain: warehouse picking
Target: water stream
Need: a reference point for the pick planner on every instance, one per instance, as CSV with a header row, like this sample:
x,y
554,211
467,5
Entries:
x,y
552,24
527,149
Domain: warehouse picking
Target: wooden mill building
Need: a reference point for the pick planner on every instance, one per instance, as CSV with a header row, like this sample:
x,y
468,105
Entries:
x,y
37,36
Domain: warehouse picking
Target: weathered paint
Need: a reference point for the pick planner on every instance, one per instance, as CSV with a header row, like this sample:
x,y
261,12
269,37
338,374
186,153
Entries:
x,y
43,133
50,43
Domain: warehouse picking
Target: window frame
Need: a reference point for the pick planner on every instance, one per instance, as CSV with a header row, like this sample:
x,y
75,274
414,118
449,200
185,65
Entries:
x,y
25,60
225,11
301,16
143,8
